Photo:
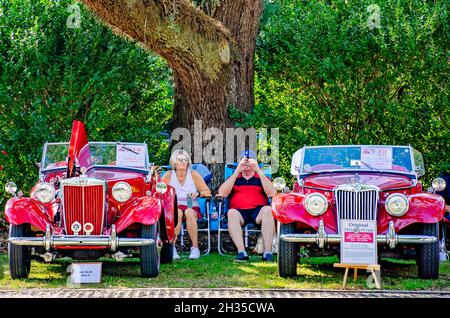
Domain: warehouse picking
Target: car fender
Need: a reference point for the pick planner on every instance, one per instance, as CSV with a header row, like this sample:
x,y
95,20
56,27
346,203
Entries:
x,y
145,210
27,211
423,208
168,203
288,208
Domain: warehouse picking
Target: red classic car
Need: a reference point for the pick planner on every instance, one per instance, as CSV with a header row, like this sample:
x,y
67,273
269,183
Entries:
x,y
377,183
92,200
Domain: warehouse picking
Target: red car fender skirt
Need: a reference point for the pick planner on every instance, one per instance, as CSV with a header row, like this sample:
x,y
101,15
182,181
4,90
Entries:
x,y
145,210
288,208
423,208
27,211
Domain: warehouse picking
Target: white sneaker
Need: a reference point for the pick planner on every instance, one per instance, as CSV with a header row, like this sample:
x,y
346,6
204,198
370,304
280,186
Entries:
x,y
175,254
195,253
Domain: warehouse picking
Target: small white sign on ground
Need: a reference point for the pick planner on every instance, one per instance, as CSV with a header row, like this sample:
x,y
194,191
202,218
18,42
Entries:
x,y
358,242
86,273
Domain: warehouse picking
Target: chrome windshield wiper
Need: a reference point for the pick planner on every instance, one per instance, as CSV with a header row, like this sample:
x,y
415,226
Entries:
x,y
369,166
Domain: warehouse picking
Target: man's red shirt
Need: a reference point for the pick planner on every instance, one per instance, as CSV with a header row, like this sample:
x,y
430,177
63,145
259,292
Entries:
x,y
247,193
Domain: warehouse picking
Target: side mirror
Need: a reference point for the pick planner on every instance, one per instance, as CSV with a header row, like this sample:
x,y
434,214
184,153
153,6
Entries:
x,y
11,188
438,184
279,183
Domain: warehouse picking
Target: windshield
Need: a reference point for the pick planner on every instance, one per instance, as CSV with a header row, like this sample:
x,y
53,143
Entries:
x,y
368,158
126,155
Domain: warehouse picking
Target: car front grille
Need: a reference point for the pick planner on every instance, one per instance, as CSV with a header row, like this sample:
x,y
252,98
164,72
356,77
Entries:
x,y
84,203
356,202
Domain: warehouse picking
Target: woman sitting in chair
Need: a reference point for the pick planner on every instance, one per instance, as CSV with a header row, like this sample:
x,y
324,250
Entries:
x,y
189,185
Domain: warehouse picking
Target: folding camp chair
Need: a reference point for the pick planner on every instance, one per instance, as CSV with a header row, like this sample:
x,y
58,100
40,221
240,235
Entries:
x,y
223,206
204,204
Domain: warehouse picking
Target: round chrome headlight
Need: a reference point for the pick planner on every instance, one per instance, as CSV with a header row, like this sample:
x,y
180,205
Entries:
x,y
279,183
11,188
397,204
44,192
438,184
121,192
161,187
316,204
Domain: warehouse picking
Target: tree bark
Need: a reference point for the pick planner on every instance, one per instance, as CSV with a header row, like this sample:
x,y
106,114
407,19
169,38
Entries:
x,y
210,49
242,18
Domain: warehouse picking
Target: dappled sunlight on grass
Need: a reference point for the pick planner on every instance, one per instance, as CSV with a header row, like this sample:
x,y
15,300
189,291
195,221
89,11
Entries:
x,y
306,271
215,271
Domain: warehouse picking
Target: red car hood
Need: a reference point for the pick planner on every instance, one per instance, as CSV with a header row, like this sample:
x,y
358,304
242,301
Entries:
x,y
384,182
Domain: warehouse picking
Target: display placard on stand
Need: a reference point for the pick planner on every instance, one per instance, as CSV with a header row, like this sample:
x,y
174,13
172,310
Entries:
x,y
358,242
359,248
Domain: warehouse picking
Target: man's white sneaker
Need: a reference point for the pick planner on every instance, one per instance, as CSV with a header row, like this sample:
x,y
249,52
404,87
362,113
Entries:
x,y
175,254
195,253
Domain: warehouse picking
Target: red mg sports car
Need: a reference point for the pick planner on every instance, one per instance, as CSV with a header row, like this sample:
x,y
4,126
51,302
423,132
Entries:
x,y
377,183
92,200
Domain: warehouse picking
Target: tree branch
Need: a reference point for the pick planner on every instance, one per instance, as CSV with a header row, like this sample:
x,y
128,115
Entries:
x,y
175,29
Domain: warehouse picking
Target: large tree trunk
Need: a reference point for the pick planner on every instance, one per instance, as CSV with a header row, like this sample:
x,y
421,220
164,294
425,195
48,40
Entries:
x,y
199,99
209,48
242,18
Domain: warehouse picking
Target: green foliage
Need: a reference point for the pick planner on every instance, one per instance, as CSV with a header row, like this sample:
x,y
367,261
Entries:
x,y
51,74
325,76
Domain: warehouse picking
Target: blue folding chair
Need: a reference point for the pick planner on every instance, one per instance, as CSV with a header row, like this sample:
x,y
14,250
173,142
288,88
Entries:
x,y
223,206
204,204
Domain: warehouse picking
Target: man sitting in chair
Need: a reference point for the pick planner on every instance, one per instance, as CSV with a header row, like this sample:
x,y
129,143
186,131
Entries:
x,y
249,189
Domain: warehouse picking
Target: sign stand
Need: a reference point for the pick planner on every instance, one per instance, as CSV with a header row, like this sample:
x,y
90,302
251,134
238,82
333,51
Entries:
x,y
359,248
371,267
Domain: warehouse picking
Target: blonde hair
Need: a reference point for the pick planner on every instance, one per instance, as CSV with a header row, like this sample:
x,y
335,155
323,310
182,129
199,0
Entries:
x,y
175,154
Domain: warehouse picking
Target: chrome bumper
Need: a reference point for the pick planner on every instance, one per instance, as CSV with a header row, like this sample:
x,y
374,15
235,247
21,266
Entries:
x,y
391,238
108,241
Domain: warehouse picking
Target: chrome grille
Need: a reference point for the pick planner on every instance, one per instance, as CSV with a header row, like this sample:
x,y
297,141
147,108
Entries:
x,y
83,202
356,202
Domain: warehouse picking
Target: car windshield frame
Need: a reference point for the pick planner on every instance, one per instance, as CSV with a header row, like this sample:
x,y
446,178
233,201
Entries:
x,y
131,168
412,174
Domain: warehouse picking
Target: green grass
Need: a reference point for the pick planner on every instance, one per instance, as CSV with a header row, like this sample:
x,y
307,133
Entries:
x,y
217,271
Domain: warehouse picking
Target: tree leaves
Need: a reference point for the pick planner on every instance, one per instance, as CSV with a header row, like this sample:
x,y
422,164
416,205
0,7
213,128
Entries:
x,y
51,75
331,79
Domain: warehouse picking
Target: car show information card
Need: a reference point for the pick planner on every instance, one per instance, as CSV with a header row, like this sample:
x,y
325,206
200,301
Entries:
x,y
130,156
358,242
377,157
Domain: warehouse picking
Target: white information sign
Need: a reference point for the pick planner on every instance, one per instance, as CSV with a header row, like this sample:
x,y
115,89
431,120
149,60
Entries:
x,y
377,157
84,273
130,156
358,242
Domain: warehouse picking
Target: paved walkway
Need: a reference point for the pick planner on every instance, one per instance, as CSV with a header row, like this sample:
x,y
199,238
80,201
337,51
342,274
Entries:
x,y
214,293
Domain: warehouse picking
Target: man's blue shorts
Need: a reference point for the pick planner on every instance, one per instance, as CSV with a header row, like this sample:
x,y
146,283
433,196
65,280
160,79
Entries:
x,y
249,215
